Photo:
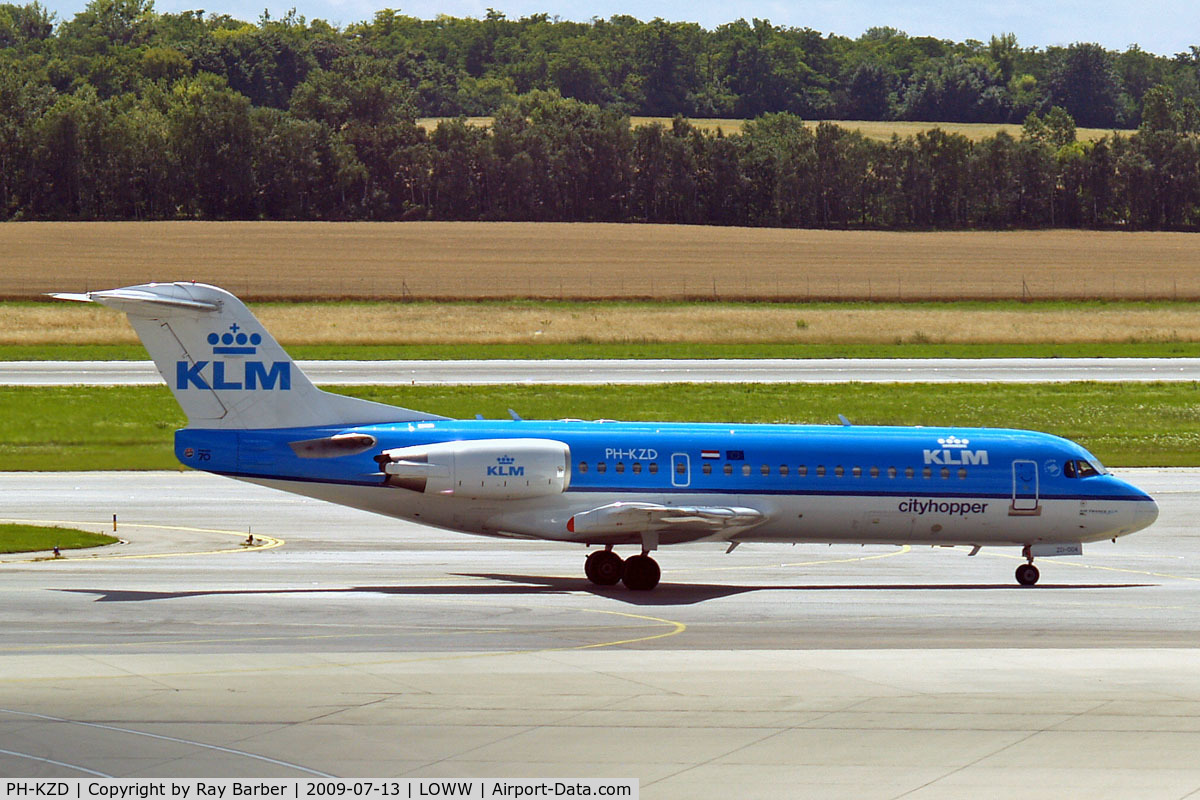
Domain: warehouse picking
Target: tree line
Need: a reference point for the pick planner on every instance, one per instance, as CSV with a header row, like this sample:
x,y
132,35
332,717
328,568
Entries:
x,y
124,113
462,66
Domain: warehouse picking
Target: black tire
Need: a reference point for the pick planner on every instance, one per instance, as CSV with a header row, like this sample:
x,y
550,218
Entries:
x,y
1027,575
604,568
641,573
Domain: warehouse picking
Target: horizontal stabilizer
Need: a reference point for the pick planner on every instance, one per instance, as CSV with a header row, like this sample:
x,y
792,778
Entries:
x,y
636,517
134,301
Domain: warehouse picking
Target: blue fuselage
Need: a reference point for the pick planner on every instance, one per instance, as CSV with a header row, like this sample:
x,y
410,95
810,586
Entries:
x,y
969,484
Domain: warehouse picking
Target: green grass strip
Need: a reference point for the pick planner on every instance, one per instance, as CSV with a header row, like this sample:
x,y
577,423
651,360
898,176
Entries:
x,y
32,538
335,352
1133,424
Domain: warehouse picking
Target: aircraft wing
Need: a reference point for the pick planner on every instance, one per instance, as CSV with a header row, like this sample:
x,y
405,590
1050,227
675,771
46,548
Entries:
x,y
695,522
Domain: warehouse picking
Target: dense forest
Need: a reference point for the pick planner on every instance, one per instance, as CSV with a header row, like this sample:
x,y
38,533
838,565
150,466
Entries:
x,y
125,113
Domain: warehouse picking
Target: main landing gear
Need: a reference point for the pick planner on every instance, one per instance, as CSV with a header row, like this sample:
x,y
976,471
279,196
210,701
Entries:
x,y
606,568
1027,574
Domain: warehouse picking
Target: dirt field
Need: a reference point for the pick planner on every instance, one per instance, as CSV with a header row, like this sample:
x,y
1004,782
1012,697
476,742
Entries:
x,y
282,260
975,131
437,323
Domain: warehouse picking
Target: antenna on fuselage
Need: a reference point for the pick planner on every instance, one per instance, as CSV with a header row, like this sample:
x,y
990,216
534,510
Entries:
x,y
845,421
516,417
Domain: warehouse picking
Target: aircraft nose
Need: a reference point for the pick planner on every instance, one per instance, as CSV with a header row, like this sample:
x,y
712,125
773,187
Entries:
x,y
1144,514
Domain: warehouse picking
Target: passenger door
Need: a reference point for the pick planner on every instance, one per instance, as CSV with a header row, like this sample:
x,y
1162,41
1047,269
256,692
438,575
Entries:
x,y
1025,489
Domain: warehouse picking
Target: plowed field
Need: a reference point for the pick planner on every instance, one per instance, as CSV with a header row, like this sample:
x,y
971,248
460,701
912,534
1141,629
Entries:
x,y
448,260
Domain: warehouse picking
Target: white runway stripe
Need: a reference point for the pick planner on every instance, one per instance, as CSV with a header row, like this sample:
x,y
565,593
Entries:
x,y
649,371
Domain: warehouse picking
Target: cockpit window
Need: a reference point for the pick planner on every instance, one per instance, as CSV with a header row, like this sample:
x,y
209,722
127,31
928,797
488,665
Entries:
x,y
1081,469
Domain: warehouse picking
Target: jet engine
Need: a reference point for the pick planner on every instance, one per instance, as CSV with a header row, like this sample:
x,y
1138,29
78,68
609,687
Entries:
x,y
492,469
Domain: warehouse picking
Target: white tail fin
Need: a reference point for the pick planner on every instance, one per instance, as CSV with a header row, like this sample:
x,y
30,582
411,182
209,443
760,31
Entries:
x,y
223,367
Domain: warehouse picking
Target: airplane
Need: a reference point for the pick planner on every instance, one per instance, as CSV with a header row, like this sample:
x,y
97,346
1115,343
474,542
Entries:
x,y
253,415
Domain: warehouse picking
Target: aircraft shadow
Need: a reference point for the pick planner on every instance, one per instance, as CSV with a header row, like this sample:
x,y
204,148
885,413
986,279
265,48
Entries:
x,y
666,594
674,594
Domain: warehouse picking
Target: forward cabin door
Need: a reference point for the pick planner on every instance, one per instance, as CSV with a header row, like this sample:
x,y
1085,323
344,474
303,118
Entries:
x,y
1025,489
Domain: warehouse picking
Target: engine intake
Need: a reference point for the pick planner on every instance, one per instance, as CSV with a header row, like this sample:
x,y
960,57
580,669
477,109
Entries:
x,y
492,469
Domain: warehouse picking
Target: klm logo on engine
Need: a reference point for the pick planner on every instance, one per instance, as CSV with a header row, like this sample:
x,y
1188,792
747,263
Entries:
x,y
504,466
234,375
954,452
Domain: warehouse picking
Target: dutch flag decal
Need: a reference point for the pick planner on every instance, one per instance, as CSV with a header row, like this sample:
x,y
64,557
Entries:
x,y
710,453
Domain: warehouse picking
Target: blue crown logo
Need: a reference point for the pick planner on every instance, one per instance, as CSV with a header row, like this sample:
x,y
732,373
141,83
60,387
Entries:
x,y
505,460
235,342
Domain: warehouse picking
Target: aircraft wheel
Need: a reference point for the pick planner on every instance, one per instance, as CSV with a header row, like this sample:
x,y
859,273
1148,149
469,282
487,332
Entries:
x,y
604,567
641,573
1027,575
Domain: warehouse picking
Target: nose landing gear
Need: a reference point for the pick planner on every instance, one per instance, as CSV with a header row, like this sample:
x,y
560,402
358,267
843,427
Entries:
x,y
1027,574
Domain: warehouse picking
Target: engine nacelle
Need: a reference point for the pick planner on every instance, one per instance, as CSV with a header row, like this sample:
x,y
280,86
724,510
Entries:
x,y
491,469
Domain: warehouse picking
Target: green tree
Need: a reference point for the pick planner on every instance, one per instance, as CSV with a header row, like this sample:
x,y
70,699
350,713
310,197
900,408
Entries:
x,y
1083,80
65,159
462,160
294,167
24,25
949,90
870,93
106,23
210,148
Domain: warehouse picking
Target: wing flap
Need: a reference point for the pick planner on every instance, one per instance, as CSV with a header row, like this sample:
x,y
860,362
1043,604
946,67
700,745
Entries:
x,y
637,517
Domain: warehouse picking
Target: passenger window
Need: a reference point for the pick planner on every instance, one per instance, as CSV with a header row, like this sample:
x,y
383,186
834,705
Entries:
x,y
821,471
856,472
765,470
582,467
637,468
891,472
620,466
680,467
706,468
909,472
927,473
839,471
802,470
945,473
962,474
783,470
601,466
653,467
729,469
874,472
746,469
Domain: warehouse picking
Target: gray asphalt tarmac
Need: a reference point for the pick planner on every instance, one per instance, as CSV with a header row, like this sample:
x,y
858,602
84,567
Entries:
x,y
597,371
352,645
